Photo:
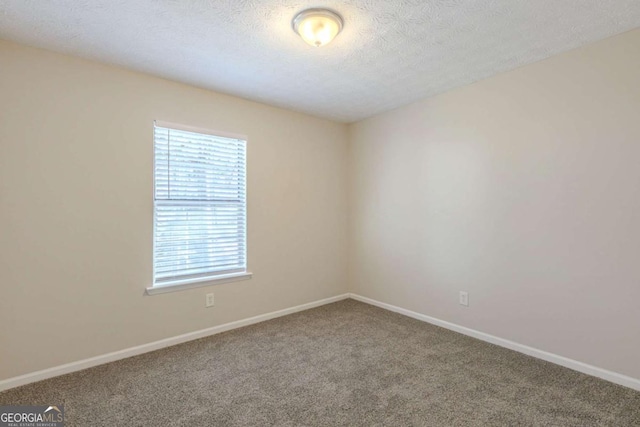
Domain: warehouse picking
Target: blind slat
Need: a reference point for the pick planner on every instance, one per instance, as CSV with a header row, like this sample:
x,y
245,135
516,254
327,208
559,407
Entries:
x,y
205,274
201,262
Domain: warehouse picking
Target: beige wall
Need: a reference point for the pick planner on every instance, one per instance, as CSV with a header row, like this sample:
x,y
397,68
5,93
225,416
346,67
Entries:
x,y
524,190
76,209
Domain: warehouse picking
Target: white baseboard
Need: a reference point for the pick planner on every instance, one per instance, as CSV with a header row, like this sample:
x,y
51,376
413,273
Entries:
x,y
44,374
156,345
604,374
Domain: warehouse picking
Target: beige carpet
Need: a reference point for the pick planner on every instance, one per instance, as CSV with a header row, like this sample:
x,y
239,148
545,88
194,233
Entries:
x,y
344,364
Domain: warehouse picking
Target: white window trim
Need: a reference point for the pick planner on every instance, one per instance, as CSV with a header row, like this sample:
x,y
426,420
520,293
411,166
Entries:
x,y
176,126
197,282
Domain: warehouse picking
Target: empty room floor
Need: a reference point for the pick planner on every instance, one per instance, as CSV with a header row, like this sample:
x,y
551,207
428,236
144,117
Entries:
x,y
343,364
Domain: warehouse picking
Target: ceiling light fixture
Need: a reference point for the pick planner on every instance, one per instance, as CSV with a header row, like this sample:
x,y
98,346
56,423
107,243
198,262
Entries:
x,y
317,26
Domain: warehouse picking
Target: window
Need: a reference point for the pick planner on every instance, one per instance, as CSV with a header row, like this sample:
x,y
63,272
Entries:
x,y
199,206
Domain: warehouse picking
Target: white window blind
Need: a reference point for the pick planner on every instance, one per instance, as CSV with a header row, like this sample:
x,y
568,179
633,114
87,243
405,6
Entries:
x,y
200,205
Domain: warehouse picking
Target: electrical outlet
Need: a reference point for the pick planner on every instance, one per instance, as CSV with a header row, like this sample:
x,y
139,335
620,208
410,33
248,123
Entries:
x,y
209,300
464,298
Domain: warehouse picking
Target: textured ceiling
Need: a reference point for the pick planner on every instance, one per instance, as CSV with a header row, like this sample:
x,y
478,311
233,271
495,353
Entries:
x,y
390,53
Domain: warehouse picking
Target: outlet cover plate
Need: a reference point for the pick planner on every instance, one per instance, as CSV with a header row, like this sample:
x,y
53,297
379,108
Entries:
x,y
464,298
209,301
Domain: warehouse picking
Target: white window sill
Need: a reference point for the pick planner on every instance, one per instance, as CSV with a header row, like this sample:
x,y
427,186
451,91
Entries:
x,y
181,285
